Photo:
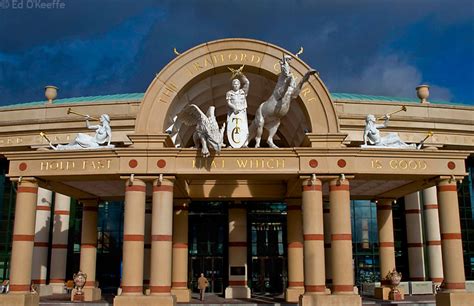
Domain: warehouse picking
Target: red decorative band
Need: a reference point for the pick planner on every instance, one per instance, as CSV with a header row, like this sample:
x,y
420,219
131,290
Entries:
x,y
237,243
384,207
24,238
130,289
160,289
312,188
59,246
57,280
295,284
327,245
27,190
18,288
180,245
161,238
179,284
434,242
341,237
135,188
62,212
326,210
294,207
415,245
237,283
385,244
451,236
147,245
42,207
417,279
412,211
315,288
41,244
319,237
166,188
133,237
451,286
437,279
90,208
339,188
38,281
442,188
88,245
295,245
90,284
342,288
431,206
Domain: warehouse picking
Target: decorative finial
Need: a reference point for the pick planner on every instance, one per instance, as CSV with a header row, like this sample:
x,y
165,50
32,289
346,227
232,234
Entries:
x,y
50,92
176,52
423,92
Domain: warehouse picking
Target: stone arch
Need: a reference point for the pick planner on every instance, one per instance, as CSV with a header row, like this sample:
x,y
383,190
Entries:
x,y
190,76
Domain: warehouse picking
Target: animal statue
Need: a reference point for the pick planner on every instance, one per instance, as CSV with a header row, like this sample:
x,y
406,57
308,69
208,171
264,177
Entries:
x,y
207,132
270,112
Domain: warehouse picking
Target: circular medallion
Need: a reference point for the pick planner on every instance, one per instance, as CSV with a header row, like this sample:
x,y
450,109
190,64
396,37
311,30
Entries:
x,y
451,165
341,163
161,163
133,163
313,163
22,166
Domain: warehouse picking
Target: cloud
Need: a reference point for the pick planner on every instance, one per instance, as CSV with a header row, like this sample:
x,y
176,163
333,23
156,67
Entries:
x,y
390,75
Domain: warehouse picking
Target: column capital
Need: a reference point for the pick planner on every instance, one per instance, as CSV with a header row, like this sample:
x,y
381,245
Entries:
x,y
339,184
384,202
164,181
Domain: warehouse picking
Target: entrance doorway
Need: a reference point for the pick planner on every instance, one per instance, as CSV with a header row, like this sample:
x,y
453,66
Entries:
x,y
208,236
267,254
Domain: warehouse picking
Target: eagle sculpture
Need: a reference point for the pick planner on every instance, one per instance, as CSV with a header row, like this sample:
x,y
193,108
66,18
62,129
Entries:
x,y
207,132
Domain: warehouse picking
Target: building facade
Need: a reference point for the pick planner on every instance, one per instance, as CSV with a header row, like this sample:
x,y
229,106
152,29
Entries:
x,y
312,219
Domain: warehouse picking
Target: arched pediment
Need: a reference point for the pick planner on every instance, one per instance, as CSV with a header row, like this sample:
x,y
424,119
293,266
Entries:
x,y
200,76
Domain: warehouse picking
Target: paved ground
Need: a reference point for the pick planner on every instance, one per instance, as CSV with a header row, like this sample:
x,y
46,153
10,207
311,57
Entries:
x,y
215,300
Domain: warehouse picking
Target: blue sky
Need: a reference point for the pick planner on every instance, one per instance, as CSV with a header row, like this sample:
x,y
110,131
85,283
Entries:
x,y
103,47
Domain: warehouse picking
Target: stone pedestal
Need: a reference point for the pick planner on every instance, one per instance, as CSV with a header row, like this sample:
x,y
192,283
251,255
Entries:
x,y
19,299
454,299
293,294
44,290
237,292
330,300
182,294
145,300
92,294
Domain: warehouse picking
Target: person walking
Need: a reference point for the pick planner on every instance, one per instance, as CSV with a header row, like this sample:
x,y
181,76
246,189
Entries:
x,y
202,284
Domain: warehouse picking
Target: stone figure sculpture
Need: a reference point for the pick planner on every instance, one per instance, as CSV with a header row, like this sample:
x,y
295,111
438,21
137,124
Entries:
x,y
101,138
207,130
373,138
237,126
270,112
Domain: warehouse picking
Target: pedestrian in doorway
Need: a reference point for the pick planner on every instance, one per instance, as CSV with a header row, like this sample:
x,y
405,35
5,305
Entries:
x,y
202,284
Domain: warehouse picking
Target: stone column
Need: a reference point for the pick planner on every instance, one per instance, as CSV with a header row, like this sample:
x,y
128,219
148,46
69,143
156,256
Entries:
x,y
454,291
237,254
161,242
386,239
89,248
57,275
433,236
133,244
414,229
40,250
327,242
180,251
147,251
22,246
295,251
313,235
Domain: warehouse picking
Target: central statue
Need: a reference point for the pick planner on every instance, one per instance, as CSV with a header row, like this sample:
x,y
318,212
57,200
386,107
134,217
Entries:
x,y
237,126
270,112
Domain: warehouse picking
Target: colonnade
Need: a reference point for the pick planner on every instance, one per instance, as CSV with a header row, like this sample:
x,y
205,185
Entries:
x,y
308,241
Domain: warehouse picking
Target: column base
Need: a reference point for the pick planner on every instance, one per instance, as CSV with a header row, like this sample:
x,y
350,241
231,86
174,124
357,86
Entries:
x,y
90,294
44,290
182,294
20,299
145,300
454,298
292,294
57,288
237,292
309,299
